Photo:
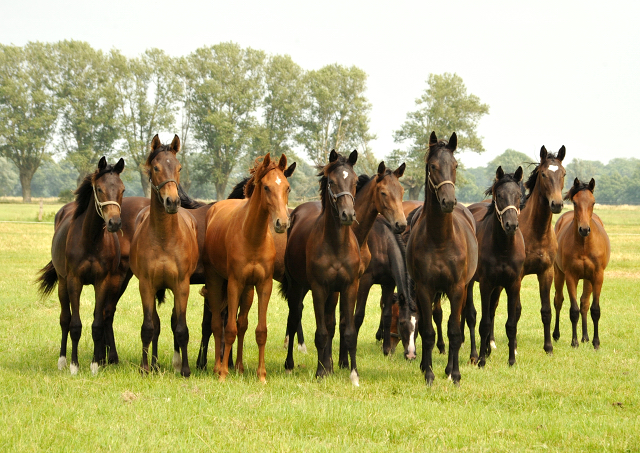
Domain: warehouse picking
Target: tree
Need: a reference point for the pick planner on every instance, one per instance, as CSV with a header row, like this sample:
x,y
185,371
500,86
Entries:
x,y
336,113
88,123
226,84
28,108
444,107
148,91
8,177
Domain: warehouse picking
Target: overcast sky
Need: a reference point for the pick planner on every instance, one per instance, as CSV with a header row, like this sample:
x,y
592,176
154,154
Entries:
x,y
552,72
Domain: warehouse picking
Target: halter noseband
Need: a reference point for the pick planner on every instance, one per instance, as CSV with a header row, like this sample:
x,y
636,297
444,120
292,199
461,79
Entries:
x,y
334,197
100,204
435,188
160,186
499,212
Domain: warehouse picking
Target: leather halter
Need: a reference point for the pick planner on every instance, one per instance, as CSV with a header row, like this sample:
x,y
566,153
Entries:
x,y
435,188
334,197
499,212
100,204
160,186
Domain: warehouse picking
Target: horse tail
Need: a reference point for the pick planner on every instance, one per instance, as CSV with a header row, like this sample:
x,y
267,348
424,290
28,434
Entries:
x,y
160,296
186,201
48,278
284,287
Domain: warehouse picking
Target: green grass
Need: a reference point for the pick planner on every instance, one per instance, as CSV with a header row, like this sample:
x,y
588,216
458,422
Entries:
x,y
574,400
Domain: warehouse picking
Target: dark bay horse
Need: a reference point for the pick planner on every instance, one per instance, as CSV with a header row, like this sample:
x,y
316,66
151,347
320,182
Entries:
x,y
501,255
583,254
85,251
239,254
323,255
164,254
442,253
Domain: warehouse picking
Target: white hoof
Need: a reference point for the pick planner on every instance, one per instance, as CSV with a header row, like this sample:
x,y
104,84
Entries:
x,y
287,371
74,369
493,344
355,379
177,361
449,377
302,348
62,363
94,368
286,342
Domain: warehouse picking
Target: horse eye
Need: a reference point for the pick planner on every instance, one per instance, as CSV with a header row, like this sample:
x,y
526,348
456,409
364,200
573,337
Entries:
x,y
156,168
544,175
384,194
267,188
179,169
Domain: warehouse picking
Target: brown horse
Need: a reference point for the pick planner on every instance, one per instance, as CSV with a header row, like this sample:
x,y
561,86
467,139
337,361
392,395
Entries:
x,y
239,253
583,253
164,254
442,253
86,251
501,255
323,255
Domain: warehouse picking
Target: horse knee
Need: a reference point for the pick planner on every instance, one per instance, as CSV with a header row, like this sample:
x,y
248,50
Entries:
x,y
146,333
545,314
75,331
574,315
261,336
595,312
321,339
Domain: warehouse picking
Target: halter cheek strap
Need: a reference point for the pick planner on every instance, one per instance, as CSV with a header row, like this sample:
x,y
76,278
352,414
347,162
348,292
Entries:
x,y
334,197
101,204
499,213
435,188
160,186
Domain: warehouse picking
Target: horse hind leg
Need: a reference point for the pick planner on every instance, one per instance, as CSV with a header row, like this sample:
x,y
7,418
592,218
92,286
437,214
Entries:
x,y
65,321
246,300
558,299
201,363
295,295
470,315
595,311
437,319
587,289
74,288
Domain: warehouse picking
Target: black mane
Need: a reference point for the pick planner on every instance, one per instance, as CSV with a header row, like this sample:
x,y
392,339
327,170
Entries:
x,y
533,177
85,190
238,190
187,202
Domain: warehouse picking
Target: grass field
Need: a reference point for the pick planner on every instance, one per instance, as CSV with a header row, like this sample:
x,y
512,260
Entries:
x,y
574,400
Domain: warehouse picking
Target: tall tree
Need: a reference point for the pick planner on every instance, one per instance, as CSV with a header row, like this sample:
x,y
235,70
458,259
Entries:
x,y
88,124
336,114
227,86
28,108
444,107
148,89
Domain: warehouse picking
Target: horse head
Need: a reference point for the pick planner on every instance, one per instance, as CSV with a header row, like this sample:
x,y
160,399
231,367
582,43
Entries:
x,y
108,189
338,186
506,193
388,196
581,194
551,180
441,171
164,168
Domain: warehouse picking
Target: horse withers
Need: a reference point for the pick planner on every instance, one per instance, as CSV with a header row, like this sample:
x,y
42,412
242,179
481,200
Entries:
x,y
583,254
85,251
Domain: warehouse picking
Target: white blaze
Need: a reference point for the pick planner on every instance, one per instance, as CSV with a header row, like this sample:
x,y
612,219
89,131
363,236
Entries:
x,y
345,174
553,167
278,180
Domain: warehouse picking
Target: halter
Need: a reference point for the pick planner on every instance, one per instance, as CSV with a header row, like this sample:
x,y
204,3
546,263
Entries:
x,y
100,204
160,186
435,188
334,197
499,213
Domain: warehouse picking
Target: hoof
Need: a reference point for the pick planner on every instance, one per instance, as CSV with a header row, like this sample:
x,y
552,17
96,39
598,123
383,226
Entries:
x,y
288,371
493,344
302,348
177,362
585,339
442,350
186,372
556,336
596,344
62,363
511,363
548,349
574,343
429,377
355,379
74,369
482,362
473,360
94,368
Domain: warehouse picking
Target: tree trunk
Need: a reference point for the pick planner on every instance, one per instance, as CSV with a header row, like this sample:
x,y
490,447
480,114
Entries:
x,y
414,192
220,186
25,181
146,185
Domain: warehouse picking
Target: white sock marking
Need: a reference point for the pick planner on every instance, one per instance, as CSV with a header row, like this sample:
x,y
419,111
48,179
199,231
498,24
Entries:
x,y
302,348
411,349
94,368
62,363
177,361
74,369
493,345
355,379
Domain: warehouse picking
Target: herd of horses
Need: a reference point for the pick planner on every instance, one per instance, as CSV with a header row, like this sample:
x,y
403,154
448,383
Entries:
x,y
359,234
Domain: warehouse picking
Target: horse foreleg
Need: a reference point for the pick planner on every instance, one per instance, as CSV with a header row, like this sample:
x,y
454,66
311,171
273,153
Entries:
x,y
587,289
425,300
231,329
330,319
246,300
74,288
156,336
574,311
437,319
201,363
109,338
347,307
544,281
513,308
386,301
181,332
65,321
361,304
558,298
457,299
470,315
486,290
595,308
147,296
264,294
322,336
98,328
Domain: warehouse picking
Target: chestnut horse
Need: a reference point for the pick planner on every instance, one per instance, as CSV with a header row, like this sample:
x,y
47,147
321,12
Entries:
x,y
323,255
583,253
86,251
442,253
239,253
501,255
164,254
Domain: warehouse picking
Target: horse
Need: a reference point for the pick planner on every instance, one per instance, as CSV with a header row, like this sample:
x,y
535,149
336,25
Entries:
x,y
583,253
164,254
501,255
323,255
442,253
544,199
239,254
85,251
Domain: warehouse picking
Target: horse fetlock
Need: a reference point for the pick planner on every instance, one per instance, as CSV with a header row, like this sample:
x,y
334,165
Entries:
x,y
302,348
177,361
94,368
74,368
62,363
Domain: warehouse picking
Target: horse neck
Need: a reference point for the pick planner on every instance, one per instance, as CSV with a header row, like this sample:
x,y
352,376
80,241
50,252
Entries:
x,y
440,223
256,218
366,211
163,223
93,226
335,233
501,241
537,214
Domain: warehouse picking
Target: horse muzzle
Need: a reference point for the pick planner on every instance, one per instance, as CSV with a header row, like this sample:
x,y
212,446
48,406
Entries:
x,y
447,205
347,217
171,205
555,206
584,231
114,224
279,226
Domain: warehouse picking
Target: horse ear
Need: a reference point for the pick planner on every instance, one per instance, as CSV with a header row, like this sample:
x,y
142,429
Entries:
x,y
381,169
592,185
543,153
400,170
576,182
433,138
119,166
282,163
518,174
155,143
353,157
175,144
289,171
499,173
453,142
102,164
267,160
561,153
333,156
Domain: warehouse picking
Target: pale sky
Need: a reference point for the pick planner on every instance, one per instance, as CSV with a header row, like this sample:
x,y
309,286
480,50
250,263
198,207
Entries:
x,y
552,72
